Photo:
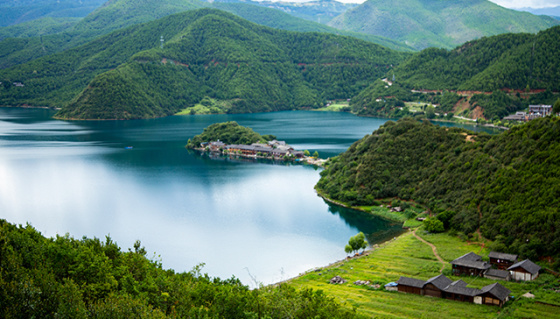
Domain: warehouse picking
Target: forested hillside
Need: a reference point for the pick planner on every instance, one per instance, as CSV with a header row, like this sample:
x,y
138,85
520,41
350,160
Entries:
x,y
63,277
40,37
435,23
206,53
229,133
512,66
507,186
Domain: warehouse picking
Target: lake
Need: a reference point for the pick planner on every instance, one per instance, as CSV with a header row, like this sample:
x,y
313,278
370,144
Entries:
x,y
258,221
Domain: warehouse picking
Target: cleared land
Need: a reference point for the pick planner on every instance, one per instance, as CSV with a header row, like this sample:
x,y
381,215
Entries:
x,y
408,256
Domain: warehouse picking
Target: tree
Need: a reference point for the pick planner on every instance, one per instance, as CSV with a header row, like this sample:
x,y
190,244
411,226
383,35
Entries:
x,y
430,112
556,107
433,225
356,243
306,153
315,154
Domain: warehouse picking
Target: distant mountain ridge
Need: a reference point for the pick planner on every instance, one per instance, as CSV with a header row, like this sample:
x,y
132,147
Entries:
x,y
437,23
123,13
321,11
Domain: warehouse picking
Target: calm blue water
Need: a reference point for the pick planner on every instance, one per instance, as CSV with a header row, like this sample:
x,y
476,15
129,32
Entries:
x,y
239,218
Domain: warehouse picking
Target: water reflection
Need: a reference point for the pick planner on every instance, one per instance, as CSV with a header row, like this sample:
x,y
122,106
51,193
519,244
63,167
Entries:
x,y
235,216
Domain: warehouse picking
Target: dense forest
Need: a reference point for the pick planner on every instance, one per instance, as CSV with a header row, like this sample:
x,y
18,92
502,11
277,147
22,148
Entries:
x,y
517,69
206,53
37,38
63,277
507,186
512,61
229,133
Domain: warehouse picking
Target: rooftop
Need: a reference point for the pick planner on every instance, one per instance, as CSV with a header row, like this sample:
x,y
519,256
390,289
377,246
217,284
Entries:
x,y
528,265
498,255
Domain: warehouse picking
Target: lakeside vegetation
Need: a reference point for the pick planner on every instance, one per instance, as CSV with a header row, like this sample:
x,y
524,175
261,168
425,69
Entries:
x,y
63,277
502,186
228,133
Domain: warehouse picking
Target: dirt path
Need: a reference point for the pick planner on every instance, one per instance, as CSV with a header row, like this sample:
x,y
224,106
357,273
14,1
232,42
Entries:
x,y
434,250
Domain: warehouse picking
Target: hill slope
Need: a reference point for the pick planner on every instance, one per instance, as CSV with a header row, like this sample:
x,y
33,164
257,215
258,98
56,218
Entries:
x,y
258,68
506,185
437,23
494,64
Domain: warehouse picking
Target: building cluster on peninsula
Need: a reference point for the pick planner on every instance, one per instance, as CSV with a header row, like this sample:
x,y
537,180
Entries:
x,y
272,149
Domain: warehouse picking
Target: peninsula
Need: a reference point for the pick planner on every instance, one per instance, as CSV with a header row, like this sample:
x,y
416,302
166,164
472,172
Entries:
x,y
230,138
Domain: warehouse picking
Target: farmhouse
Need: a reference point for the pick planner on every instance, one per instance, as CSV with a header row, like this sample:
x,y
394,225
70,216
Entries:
x,y
501,260
494,294
410,285
442,287
469,264
524,270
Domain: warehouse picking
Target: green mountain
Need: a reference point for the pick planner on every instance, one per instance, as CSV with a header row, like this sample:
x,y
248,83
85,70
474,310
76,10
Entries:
x,y
506,186
513,66
207,53
123,13
14,12
437,23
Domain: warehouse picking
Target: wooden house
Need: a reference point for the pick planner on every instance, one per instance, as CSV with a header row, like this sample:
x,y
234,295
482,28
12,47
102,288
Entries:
x,y
494,294
501,260
459,291
435,286
410,285
524,270
442,287
469,264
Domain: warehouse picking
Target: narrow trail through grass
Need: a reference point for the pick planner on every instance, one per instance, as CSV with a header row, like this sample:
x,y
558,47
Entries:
x,y
434,250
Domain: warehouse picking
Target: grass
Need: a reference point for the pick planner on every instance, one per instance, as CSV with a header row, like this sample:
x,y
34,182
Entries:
x,y
335,106
207,106
407,256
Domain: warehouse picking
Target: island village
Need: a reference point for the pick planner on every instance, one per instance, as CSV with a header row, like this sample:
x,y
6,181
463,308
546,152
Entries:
x,y
275,150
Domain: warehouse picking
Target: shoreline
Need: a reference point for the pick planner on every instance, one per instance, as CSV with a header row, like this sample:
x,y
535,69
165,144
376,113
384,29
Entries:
x,y
365,253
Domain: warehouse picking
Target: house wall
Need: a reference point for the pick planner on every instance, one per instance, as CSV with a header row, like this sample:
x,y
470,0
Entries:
x,y
521,275
410,290
501,263
432,291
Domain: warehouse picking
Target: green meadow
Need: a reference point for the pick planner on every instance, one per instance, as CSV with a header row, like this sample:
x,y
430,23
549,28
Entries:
x,y
408,256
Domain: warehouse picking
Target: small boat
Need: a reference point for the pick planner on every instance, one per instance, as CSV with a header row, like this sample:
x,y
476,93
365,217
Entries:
x,y
128,147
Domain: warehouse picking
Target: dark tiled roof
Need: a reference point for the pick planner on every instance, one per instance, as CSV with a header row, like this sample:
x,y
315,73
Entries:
x,y
471,260
439,281
528,265
459,287
497,273
496,290
411,282
498,255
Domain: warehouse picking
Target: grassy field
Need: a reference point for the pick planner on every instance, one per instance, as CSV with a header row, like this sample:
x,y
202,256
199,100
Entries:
x,y
407,256
335,106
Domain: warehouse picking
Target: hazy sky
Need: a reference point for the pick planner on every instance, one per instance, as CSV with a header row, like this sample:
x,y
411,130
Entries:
x,y
506,3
